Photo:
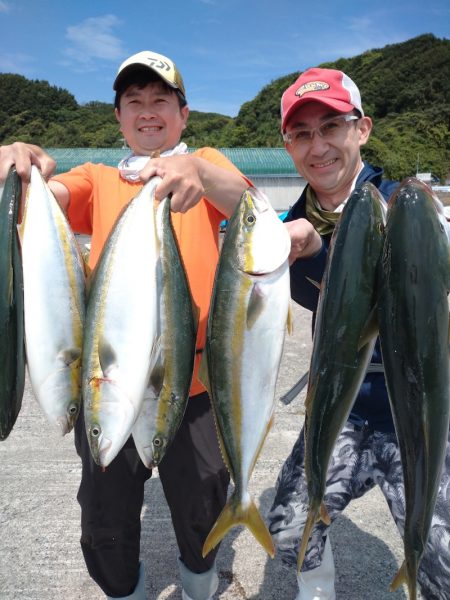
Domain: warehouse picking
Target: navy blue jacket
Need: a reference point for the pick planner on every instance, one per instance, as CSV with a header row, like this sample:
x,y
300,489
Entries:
x,y
371,406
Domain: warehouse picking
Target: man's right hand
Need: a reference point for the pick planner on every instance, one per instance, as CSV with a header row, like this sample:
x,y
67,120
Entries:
x,y
305,240
24,155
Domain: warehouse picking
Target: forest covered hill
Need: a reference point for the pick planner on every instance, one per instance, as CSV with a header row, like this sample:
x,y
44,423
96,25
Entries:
x,y
405,88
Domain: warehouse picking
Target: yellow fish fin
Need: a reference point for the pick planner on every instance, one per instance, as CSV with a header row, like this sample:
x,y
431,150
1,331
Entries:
x,y
290,320
323,514
235,514
400,578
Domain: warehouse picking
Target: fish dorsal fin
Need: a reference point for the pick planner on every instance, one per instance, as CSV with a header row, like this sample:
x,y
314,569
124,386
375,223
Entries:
x,y
255,305
107,358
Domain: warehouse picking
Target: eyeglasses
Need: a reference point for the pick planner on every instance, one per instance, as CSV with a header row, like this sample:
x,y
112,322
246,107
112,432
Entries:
x,y
328,130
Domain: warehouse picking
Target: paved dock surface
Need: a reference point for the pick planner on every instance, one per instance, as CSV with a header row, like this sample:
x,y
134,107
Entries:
x,y
40,557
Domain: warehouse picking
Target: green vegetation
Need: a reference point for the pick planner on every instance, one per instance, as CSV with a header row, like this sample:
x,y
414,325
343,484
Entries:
x,y
405,88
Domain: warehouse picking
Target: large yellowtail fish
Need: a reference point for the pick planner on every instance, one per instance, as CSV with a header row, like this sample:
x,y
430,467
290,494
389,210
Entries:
x,y
54,300
166,396
344,339
121,328
414,325
12,348
248,317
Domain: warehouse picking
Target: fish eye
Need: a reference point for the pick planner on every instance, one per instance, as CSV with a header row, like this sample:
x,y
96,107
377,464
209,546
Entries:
x,y
157,442
73,409
95,431
250,219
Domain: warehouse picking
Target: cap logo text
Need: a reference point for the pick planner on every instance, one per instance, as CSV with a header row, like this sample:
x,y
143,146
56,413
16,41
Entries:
x,y
158,64
312,86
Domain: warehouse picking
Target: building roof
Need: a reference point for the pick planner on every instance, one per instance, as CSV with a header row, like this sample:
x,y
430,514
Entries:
x,y
250,161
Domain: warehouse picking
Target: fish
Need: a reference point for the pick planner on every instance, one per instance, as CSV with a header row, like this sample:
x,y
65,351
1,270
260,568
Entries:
x,y
121,332
12,340
344,338
170,378
54,304
414,324
249,316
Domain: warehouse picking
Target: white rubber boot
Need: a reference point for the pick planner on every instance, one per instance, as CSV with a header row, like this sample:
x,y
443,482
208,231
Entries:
x,y
139,590
198,586
318,584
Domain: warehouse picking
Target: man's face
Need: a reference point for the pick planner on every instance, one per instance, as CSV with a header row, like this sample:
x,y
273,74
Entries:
x,y
328,164
150,118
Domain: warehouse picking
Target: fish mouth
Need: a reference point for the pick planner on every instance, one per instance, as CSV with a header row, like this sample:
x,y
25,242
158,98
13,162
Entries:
x,y
64,425
104,448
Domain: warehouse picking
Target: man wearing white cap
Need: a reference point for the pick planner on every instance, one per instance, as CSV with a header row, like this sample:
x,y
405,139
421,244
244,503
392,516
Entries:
x,y
324,127
152,111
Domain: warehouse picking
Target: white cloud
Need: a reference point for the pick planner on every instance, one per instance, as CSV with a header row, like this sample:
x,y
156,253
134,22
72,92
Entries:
x,y
16,63
93,39
4,7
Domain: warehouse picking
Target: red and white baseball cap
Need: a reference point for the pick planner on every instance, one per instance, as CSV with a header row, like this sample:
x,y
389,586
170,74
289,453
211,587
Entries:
x,y
328,86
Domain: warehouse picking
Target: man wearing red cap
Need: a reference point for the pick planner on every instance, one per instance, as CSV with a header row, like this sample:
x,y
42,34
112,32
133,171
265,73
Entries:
x,y
324,127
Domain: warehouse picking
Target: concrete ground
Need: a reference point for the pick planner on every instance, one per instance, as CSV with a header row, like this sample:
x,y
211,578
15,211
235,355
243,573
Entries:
x,y
39,517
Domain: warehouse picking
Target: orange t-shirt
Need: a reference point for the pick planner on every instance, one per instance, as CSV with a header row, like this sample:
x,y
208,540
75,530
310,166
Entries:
x,y
98,195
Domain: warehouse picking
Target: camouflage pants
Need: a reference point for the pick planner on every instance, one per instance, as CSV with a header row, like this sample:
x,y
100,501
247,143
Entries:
x,y
361,459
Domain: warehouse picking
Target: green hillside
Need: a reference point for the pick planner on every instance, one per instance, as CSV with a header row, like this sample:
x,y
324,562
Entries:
x,y
405,88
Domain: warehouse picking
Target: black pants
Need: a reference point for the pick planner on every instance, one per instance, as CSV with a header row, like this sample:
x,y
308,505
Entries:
x,y
195,483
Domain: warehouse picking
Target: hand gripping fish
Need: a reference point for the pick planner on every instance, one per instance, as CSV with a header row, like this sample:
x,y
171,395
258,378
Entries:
x,y
246,327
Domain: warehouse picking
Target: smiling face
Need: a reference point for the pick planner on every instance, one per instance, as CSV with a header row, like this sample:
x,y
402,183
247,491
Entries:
x,y
150,117
329,165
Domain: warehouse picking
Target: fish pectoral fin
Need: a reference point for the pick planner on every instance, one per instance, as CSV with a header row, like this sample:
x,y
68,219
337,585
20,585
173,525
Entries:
x,y
107,357
235,514
370,329
157,368
255,306
69,355
400,578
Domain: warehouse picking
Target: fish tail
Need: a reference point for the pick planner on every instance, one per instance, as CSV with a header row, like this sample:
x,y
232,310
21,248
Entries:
x,y
235,514
403,578
310,521
400,578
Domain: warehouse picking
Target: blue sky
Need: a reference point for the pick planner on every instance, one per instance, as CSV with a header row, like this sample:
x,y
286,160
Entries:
x,y
226,50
